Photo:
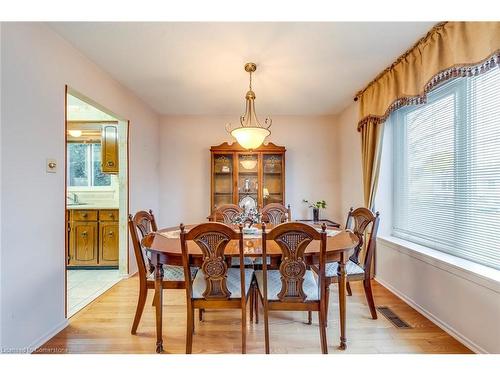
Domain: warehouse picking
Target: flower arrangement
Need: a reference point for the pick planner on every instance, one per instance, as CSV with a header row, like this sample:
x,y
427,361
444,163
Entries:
x,y
315,206
318,204
250,216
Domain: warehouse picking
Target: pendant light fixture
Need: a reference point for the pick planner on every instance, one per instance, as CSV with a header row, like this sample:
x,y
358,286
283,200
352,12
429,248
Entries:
x,y
75,133
251,134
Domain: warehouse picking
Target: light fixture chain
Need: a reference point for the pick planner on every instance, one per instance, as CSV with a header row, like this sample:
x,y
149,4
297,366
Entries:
x,y
251,134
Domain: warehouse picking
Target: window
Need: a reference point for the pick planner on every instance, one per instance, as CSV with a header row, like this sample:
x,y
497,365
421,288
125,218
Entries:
x,y
84,165
447,170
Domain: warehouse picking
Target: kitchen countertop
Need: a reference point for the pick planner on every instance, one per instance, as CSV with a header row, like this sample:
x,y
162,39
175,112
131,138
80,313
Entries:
x,y
91,206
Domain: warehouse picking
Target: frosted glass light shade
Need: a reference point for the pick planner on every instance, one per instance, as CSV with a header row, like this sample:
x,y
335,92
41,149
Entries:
x,y
75,133
250,138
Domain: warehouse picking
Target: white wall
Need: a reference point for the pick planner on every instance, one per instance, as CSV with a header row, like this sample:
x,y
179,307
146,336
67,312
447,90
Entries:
x,y
462,303
36,66
351,180
312,166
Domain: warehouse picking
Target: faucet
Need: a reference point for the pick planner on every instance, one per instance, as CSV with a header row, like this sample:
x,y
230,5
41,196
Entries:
x,y
73,197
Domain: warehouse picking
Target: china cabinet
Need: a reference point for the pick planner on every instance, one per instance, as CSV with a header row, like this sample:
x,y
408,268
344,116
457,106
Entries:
x,y
247,178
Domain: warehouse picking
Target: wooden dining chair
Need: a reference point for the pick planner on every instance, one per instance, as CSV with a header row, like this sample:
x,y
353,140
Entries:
x,y
358,220
276,213
273,213
215,286
140,225
225,213
293,287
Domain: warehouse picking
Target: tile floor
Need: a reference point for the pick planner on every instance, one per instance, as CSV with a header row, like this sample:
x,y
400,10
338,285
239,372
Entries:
x,y
86,285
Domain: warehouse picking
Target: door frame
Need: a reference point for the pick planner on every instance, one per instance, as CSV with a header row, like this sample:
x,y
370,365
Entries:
x,y
121,122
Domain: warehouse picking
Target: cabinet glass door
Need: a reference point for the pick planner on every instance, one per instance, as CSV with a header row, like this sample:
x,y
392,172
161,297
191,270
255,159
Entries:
x,y
248,180
222,179
272,173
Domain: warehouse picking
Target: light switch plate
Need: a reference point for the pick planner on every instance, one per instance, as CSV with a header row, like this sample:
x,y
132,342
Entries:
x,y
51,166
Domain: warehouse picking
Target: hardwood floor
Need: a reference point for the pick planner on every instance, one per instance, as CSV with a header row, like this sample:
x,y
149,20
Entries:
x,y
104,327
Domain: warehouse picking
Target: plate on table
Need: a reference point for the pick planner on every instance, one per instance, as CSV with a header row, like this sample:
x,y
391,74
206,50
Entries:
x,y
251,230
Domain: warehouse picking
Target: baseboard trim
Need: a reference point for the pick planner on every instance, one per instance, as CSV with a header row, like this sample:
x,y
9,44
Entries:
x,y
129,275
444,326
42,340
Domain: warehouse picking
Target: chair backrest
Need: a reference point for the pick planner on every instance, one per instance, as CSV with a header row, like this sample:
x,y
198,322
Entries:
x,y
212,239
226,213
140,225
358,221
276,213
293,239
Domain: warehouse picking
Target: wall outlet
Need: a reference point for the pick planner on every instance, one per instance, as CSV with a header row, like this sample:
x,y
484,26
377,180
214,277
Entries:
x,y
51,165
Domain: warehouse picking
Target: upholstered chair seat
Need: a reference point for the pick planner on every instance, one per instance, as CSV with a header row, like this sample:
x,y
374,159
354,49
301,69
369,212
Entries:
x,y
174,273
232,280
258,261
310,285
353,270
247,261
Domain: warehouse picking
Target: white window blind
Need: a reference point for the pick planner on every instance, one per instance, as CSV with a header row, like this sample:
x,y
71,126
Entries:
x,y
447,169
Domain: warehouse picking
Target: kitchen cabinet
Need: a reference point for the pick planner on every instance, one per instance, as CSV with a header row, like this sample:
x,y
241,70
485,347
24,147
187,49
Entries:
x,y
83,243
83,215
108,243
93,238
109,149
108,215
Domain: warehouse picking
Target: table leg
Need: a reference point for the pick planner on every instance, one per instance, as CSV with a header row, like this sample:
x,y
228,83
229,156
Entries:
x,y
342,300
159,305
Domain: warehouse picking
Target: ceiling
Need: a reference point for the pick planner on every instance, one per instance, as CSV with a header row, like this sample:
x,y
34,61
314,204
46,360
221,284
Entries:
x,y
197,68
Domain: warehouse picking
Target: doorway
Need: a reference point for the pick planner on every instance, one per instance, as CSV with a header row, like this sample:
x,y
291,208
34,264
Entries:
x,y
96,187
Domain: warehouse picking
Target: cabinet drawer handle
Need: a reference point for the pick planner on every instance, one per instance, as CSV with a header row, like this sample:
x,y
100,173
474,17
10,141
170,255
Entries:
x,y
85,214
111,234
84,234
110,163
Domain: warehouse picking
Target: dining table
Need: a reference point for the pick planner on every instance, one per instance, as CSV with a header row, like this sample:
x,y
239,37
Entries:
x,y
164,247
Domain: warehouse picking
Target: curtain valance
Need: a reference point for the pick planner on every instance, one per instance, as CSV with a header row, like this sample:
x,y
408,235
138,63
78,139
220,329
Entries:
x,y
449,50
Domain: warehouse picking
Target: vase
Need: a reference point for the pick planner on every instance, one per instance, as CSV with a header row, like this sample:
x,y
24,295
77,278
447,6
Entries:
x,y
315,214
